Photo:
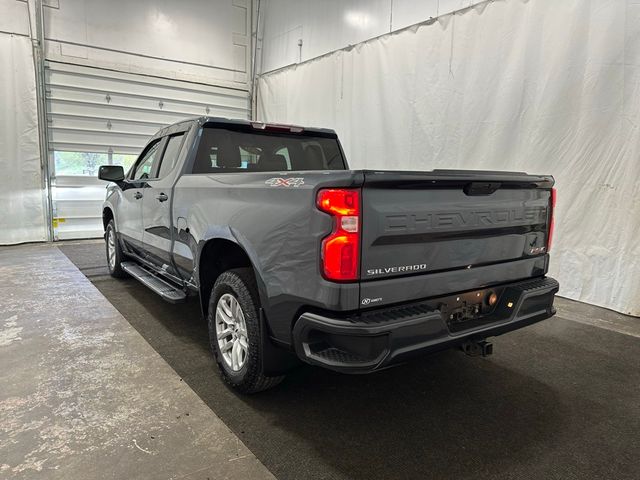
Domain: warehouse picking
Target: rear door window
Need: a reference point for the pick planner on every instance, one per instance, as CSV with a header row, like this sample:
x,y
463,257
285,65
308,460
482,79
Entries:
x,y
171,153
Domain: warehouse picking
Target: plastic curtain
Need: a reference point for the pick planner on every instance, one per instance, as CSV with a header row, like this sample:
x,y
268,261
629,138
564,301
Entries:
x,y
538,86
21,194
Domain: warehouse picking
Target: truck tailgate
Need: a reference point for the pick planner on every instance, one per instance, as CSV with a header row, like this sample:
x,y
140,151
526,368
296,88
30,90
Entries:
x,y
465,229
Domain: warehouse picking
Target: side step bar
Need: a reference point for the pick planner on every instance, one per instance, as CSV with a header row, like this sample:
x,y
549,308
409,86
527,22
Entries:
x,y
163,288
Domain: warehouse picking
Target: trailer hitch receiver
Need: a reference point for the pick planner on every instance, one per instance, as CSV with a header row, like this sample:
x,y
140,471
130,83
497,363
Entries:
x,y
477,348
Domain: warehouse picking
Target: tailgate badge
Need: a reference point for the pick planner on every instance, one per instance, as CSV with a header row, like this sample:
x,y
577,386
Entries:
x,y
369,301
397,269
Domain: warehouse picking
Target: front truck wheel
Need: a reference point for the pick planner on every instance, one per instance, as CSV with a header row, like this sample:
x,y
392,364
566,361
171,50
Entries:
x,y
234,332
114,252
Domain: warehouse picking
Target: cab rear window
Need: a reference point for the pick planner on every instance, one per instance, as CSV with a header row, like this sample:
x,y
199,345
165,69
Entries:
x,y
226,150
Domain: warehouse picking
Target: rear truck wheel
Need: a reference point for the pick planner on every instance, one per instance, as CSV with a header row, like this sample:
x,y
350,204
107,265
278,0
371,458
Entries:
x,y
234,332
114,252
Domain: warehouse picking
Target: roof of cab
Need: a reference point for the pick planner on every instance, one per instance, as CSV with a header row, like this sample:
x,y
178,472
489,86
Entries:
x,y
203,120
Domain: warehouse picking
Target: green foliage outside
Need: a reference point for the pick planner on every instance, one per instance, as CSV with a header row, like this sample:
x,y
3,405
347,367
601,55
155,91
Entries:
x,y
86,163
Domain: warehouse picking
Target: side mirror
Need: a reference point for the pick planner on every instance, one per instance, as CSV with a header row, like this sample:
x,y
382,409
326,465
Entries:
x,y
111,173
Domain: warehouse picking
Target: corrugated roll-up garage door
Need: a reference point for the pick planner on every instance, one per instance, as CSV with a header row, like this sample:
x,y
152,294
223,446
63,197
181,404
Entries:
x,y
100,117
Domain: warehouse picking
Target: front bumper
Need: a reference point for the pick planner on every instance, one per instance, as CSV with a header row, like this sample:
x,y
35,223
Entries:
x,y
374,339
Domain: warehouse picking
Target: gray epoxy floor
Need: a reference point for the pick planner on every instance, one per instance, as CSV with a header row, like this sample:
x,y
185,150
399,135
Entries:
x,y
557,400
84,396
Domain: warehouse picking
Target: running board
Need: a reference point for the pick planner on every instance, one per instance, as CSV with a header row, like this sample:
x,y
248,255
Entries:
x,y
163,288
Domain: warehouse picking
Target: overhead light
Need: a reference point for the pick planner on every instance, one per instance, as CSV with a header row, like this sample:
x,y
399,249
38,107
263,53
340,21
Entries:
x,y
356,19
162,22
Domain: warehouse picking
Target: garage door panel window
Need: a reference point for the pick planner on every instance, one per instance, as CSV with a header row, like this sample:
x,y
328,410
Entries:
x,y
87,163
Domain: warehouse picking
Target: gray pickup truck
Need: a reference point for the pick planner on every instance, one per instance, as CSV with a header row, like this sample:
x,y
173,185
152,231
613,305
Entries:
x,y
296,257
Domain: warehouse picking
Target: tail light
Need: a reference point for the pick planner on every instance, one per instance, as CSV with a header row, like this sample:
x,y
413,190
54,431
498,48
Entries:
x,y
552,201
341,249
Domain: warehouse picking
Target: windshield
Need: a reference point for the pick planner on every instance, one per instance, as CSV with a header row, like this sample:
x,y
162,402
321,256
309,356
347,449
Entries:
x,y
228,150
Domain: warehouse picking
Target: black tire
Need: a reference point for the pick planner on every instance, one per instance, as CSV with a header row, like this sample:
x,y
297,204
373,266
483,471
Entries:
x,y
115,269
240,284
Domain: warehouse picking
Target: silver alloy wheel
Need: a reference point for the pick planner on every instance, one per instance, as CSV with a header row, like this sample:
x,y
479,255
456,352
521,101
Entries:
x,y
231,332
111,249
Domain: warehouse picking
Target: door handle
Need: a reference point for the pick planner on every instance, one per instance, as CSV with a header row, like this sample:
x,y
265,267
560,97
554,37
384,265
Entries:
x,y
137,195
162,197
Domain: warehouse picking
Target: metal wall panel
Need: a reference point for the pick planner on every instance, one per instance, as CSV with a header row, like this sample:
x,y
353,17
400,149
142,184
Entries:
x,y
103,111
208,39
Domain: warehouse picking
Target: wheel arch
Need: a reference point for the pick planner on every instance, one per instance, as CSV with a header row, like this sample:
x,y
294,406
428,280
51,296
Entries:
x,y
216,256
107,216
220,254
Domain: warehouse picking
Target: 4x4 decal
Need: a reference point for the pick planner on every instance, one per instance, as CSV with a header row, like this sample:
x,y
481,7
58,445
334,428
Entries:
x,y
285,182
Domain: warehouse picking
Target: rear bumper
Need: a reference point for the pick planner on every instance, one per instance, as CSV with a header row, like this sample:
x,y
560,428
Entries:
x,y
375,339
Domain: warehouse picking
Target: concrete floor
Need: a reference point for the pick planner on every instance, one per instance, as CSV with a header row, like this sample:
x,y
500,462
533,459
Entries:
x,y
559,399
83,395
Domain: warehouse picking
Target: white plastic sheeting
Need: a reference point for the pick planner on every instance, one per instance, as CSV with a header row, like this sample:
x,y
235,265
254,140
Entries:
x,y
538,86
327,25
21,194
